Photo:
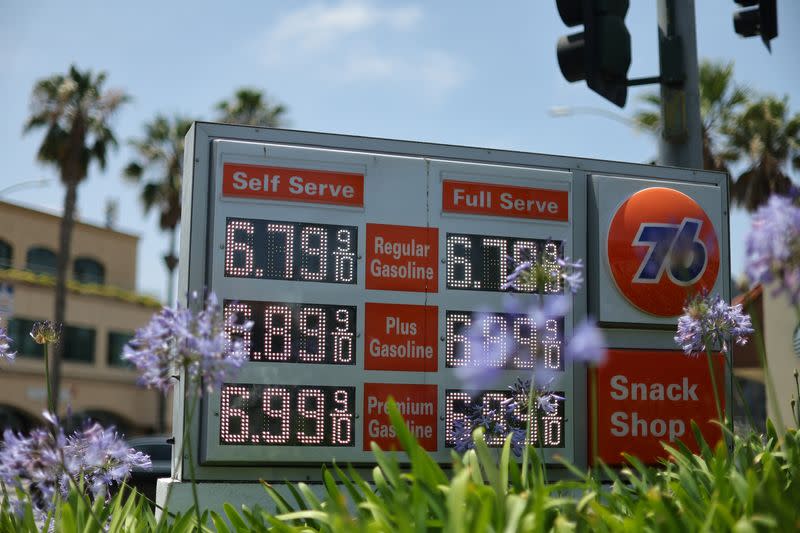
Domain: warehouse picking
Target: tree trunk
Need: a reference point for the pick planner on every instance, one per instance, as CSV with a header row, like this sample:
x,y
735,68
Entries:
x,y
62,267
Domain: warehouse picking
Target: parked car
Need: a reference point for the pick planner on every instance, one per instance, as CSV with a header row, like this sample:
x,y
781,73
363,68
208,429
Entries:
x,y
159,448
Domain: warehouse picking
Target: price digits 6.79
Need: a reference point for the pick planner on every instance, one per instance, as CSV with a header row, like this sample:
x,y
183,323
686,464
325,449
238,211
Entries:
x,y
286,415
295,251
483,262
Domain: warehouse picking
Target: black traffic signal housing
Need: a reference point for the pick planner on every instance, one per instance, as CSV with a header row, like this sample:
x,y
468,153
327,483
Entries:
x,y
601,53
760,19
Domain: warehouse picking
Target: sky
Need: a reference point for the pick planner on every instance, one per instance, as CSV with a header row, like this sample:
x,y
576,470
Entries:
x,y
466,73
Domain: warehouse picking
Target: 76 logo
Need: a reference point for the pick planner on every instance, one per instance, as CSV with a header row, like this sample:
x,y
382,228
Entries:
x,y
674,249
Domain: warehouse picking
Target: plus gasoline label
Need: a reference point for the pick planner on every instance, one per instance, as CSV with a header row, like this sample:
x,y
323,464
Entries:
x,y
662,249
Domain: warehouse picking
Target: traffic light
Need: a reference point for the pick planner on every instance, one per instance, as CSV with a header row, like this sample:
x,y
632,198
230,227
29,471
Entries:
x,y
601,53
759,20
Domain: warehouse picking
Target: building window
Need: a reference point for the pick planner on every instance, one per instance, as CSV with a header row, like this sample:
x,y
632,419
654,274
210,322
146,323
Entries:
x,y
116,342
6,255
19,329
88,270
78,344
41,260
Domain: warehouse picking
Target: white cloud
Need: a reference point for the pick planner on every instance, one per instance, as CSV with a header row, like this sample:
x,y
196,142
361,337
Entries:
x,y
356,41
433,72
319,26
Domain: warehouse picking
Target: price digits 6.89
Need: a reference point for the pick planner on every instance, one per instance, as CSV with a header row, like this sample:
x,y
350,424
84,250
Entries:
x,y
483,263
295,251
286,415
294,332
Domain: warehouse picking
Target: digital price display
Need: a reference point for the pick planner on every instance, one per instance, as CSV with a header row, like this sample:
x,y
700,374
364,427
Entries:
x,y
502,411
286,415
483,263
293,332
268,249
503,340
360,282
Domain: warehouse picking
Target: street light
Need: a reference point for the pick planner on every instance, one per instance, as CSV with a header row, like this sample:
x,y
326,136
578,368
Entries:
x,y
29,184
566,111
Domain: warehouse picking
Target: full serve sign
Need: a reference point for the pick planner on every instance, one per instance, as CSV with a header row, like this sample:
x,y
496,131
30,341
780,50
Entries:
x,y
369,276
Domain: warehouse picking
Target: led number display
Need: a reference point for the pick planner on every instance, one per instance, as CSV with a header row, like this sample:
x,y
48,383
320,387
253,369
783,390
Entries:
x,y
294,332
481,262
503,340
505,412
267,249
286,415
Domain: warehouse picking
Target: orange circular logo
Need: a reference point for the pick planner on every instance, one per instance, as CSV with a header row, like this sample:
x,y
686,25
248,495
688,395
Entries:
x,y
662,249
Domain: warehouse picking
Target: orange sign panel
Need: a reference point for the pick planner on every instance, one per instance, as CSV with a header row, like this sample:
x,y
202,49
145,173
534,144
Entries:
x,y
402,258
417,403
401,337
504,200
645,397
293,184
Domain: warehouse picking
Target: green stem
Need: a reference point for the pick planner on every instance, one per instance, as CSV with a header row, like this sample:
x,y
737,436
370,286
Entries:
x,y
184,450
739,391
51,406
528,439
539,430
594,414
714,384
187,436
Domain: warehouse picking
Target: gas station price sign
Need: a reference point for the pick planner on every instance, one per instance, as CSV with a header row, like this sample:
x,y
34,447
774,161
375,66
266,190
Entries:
x,y
367,276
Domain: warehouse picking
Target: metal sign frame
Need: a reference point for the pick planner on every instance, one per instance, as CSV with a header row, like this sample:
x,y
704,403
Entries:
x,y
197,268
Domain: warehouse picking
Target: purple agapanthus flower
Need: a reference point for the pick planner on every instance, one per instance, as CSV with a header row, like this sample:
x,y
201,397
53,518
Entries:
x,y
571,274
46,463
177,338
5,346
548,402
708,323
587,344
545,278
773,246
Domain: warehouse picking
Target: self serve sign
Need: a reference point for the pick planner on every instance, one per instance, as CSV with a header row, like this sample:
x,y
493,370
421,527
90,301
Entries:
x,y
662,249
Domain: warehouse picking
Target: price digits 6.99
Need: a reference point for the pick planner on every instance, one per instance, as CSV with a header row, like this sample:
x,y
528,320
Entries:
x,y
294,332
464,408
503,340
482,263
295,251
286,415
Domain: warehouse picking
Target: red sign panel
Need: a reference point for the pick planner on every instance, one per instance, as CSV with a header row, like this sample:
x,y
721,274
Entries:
x,y
417,403
293,184
401,337
662,249
504,200
402,258
645,397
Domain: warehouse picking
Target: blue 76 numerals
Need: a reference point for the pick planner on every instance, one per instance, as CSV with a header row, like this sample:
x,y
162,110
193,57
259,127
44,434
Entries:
x,y
674,248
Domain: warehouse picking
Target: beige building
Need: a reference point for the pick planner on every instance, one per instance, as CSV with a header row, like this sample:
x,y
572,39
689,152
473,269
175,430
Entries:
x,y
102,313
771,393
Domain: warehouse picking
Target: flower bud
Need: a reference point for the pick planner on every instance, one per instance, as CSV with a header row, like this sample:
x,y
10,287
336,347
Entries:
x,y
46,332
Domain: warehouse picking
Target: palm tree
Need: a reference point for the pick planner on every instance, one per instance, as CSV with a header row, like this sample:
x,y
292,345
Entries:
x,y
250,107
765,136
161,152
75,112
720,99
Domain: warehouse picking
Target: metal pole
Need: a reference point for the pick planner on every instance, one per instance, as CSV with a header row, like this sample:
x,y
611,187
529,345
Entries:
x,y
681,142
